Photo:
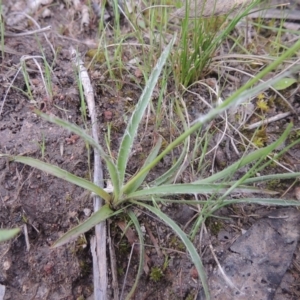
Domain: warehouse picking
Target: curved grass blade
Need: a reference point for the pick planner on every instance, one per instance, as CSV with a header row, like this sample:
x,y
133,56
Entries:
x,y
168,149
77,130
275,176
60,173
191,188
260,201
7,234
266,201
272,177
100,215
171,172
149,159
142,253
188,244
234,99
138,113
168,200
256,155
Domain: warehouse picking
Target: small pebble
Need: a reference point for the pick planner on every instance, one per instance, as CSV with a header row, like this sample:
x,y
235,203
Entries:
x,y
87,212
297,193
6,265
194,273
108,115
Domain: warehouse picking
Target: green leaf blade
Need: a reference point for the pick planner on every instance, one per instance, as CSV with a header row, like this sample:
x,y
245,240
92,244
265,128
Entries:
x,y
142,253
60,173
7,234
113,172
188,244
191,188
101,215
136,117
254,156
150,158
284,83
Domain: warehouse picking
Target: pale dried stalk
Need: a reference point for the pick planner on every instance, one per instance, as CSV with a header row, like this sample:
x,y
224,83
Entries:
x,y
25,231
113,263
268,120
2,291
99,260
40,30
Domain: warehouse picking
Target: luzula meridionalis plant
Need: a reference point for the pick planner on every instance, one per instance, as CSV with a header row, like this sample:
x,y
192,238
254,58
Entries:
x,y
127,194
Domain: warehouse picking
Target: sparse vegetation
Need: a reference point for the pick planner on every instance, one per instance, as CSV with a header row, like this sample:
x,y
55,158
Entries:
x,y
156,274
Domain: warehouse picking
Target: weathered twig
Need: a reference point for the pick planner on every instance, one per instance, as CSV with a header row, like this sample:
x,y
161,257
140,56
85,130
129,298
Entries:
x,y
25,33
113,263
267,121
25,231
99,242
2,291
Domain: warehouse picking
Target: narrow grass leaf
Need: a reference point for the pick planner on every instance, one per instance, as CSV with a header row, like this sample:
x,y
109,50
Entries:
x,y
142,253
235,99
60,173
188,244
257,154
168,149
191,188
204,41
87,138
241,95
137,115
164,200
280,176
268,162
265,201
219,204
284,83
216,205
100,215
7,234
170,173
149,159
